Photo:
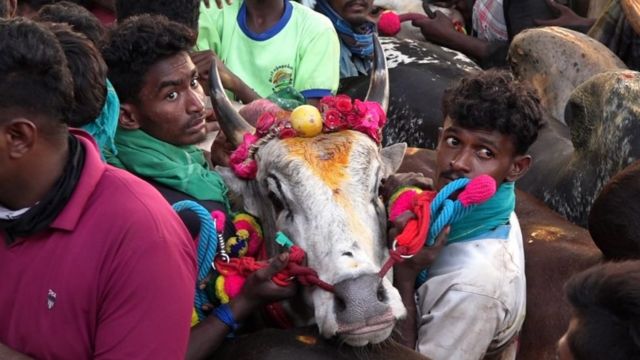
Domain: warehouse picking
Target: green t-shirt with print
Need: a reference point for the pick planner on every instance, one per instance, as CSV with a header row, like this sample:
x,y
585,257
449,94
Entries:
x,y
302,50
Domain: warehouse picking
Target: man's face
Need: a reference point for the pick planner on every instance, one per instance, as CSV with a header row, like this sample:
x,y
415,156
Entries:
x,y
171,102
563,351
468,153
353,11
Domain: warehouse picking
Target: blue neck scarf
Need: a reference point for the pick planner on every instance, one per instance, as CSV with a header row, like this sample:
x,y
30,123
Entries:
x,y
360,41
103,129
485,217
482,219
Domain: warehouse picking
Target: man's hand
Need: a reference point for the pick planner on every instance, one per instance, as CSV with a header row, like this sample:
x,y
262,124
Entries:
x,y
408,270
219,4
260,289
221,149
438,30
393,182
203,61
566,17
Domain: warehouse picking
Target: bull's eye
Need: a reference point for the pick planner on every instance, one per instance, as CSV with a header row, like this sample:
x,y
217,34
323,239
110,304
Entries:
x,y
381,293
277,204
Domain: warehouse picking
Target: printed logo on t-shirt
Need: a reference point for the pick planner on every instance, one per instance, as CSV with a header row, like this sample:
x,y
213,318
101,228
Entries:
x,y
281,77
51,299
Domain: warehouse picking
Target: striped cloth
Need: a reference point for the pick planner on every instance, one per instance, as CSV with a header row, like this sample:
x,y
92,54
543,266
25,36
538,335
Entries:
x,y
488,20
615,31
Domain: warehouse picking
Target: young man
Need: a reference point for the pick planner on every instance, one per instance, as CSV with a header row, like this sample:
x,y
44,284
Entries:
x,y
162,117
97,264
96,106
473,302
273,44
355,30
606,304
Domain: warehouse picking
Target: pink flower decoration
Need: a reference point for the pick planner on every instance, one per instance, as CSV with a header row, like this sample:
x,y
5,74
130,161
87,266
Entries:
x,y
287,132
265,122
343,104
333,120
360,107
375,109
246,169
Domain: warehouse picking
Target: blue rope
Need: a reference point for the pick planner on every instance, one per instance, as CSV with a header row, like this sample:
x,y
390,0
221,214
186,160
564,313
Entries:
x,y
444,211
207,248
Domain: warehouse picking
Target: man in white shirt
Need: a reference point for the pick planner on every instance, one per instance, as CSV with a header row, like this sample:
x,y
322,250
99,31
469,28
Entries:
x,y
473,302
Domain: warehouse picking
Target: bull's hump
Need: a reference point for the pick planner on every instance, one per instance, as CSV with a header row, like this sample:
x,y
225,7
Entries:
x,y
326,156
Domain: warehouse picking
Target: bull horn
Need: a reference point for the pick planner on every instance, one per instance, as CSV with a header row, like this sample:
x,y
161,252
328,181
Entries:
x,y
379,82
233,125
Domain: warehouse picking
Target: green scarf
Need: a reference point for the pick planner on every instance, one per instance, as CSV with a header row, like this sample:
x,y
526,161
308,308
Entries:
x,y
487,216
181,168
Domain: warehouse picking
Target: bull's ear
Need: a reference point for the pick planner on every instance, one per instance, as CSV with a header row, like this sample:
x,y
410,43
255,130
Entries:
x,y
392,158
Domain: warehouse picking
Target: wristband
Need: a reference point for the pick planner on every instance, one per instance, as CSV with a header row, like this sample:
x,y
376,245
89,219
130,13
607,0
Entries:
x,y
224,314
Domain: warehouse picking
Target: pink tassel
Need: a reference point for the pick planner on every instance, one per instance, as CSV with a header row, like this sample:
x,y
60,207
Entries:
x,y
479,190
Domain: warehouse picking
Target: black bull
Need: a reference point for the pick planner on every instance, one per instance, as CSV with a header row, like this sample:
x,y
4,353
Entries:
x,y
419,72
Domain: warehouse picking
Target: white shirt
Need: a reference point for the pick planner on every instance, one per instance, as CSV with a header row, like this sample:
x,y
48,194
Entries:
x,y
475,297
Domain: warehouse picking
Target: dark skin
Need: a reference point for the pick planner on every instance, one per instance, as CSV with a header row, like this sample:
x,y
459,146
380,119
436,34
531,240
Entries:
x,y
566,17
440,30
262,15
355,12
258,290
171,108
461,152
33,153
564,352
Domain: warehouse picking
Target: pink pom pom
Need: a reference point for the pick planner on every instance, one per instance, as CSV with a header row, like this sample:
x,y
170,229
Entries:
x,y
220,219
403,203
389,23
479,190
245,170
233,285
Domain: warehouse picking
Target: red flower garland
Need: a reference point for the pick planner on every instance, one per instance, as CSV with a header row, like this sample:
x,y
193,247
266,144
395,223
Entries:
x,y
338,113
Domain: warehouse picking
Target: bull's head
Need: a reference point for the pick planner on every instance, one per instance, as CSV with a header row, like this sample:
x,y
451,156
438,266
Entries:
x,y
323,193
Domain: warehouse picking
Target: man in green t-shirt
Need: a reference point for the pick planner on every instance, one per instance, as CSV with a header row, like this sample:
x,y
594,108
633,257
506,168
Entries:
x,y
272,44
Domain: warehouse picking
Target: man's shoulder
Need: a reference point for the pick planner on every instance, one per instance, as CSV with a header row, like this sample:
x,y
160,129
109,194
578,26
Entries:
x,y
310,19
130,199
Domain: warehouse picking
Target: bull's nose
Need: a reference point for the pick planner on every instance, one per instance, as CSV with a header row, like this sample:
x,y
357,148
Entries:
x,y
360,299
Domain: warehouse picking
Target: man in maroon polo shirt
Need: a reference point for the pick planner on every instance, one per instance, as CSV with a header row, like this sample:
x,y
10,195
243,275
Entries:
x,y
95,263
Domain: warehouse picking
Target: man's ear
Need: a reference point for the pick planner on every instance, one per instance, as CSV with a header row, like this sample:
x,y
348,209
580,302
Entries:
x,y
519,167
129,118
20,135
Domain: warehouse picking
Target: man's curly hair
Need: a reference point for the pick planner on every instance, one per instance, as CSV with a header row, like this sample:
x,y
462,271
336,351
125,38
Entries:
x,y
492,100
89,74
78,17
137,44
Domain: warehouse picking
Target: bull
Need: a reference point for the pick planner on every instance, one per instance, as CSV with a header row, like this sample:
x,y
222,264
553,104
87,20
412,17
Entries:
x,y
593,130
323,193
419,72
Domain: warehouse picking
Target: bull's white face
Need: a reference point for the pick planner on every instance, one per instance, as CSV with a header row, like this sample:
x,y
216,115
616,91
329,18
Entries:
x,y
323,193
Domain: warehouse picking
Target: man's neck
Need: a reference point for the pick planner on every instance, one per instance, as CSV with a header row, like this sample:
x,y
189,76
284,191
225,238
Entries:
x,y
26,190
262,15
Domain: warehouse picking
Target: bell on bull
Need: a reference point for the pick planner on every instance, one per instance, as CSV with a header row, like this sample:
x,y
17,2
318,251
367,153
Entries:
x,y
323,193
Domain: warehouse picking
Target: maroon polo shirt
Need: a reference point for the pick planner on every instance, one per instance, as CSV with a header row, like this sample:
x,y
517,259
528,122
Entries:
x,y
111,278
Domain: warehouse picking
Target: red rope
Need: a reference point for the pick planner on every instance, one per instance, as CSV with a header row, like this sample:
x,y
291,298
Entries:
x,y
245,266
414,234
